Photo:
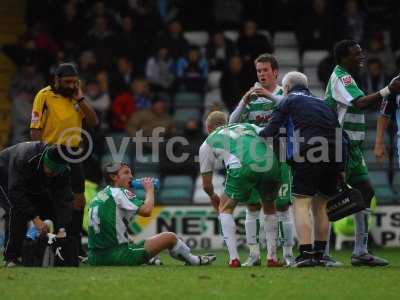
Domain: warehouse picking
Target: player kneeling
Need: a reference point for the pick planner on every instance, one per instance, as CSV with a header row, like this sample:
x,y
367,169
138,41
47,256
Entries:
x,y
110,213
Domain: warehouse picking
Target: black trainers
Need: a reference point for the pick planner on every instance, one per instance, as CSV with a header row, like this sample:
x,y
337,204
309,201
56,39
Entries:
x,y
325,260
207,259
369,260
304,260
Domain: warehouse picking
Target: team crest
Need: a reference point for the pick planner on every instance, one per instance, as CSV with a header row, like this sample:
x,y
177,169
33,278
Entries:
x,y
129,194
102,196
346,80
35,117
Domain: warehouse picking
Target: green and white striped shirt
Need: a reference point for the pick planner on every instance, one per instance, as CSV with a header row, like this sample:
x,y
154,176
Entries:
x,y
340,94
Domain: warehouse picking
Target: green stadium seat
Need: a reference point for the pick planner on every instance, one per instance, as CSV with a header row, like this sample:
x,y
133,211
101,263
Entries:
x,y
185,99
385,195
146,164
379,178
182,115
178,181
175,196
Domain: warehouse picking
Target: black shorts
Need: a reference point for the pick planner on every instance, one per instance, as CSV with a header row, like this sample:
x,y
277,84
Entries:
x,y
312,177
77,178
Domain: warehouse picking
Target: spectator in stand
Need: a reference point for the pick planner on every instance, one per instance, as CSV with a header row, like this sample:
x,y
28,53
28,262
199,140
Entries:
x,y
24,86
150,119
192,71
251,43
99,38
129,102
159,70
168,10
131,43
351,24
228,13
174,40
99,100
218,50
69,27
122,77
375,78
192,133
377,49
87,65
102,78
44,41
100,9
234,82
325,68
315,27
146,15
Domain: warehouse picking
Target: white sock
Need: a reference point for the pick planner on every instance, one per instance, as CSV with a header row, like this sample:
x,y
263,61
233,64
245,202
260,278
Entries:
x,y
285,227
261,234
271,230
228,227
327,248
361,239
182,252
250,225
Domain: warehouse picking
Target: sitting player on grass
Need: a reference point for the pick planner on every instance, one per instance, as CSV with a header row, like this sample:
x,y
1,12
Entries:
x,y
113,209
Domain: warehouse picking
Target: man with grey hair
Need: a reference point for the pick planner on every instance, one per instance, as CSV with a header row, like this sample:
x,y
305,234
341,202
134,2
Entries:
x,y
316,150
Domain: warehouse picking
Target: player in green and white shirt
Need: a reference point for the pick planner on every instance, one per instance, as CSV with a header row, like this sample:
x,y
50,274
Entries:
x,y
111,212
343,94
251,165
256,108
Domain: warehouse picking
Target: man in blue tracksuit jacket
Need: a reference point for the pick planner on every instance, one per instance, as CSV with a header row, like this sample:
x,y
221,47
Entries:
x,y
317,152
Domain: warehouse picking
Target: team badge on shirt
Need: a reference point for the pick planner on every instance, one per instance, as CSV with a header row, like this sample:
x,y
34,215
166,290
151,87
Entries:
x,y
129,194
35,118
346,80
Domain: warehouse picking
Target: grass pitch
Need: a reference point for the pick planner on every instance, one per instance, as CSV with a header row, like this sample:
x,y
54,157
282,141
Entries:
x,y
175,281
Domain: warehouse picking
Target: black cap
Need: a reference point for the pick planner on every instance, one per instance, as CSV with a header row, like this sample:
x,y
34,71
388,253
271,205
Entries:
x,y
66,69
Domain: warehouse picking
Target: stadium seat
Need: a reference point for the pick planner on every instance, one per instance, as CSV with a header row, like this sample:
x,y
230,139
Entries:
x,y
385,195
285,39
145,164
175,196
311,73
265,33
213,79
379,178
311,58
233,35
175,181
182,115
285,69
186,99
287,57
196,38
318,92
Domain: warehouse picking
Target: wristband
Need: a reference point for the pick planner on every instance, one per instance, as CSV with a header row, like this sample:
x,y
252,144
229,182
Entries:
x,y
384,92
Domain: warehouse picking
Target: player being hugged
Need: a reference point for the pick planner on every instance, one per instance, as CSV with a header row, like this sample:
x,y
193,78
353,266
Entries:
x,y
256,108
110,214
251,166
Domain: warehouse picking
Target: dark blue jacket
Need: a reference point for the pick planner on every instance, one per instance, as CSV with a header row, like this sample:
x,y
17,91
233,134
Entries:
x,y
305,116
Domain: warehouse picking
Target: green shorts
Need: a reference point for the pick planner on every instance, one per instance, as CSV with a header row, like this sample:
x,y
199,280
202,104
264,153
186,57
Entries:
x,y
123,255
356,170
245,185
284,197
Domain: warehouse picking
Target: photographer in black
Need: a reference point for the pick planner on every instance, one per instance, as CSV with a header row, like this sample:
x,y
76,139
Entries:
x,y
34,186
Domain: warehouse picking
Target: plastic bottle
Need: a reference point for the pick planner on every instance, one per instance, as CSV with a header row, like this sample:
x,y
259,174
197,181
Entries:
x,y
137,183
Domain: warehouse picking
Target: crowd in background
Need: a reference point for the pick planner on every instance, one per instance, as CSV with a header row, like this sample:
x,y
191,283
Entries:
x,y
133,57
